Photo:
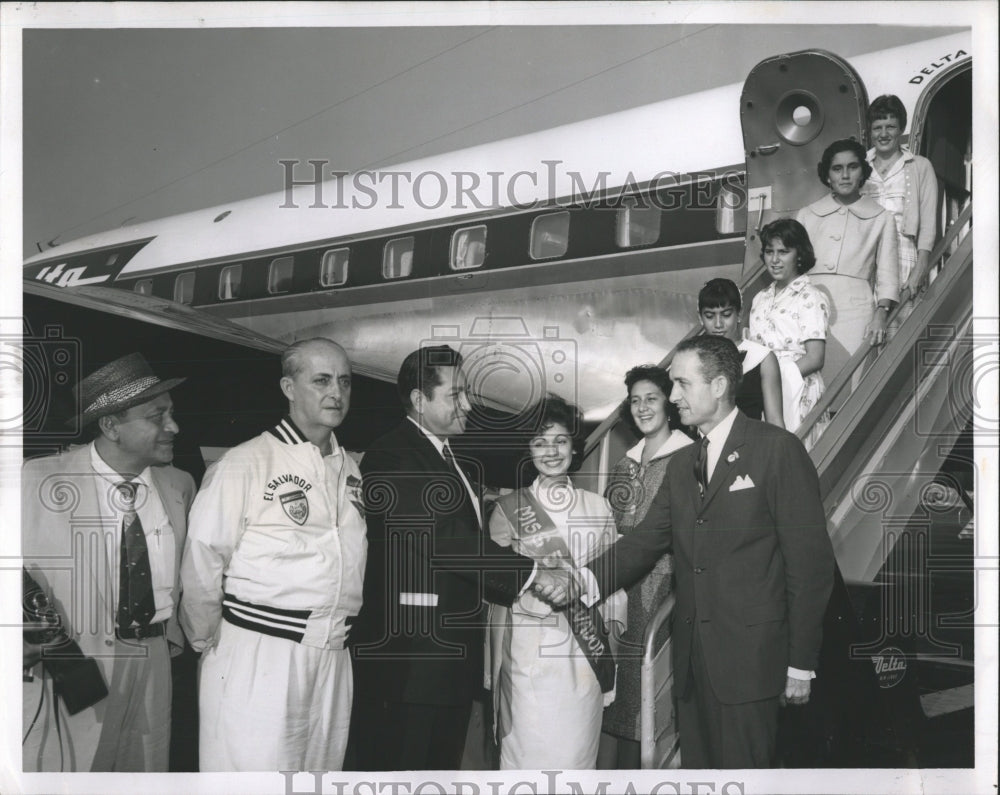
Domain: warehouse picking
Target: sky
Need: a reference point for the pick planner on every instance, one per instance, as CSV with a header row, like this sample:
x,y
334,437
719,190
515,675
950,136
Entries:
x,y
122,125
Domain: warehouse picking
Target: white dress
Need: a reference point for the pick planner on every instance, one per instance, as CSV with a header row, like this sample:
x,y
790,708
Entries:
x,y
783,321
548,703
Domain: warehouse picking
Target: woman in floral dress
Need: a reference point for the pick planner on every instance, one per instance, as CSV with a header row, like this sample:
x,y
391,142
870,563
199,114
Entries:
x,y
790,318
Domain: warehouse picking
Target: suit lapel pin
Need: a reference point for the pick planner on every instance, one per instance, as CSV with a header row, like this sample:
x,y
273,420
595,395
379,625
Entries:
x,y
733,457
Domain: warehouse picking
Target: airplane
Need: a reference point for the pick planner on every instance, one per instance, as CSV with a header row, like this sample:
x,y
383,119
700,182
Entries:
x,y
557,260
545,256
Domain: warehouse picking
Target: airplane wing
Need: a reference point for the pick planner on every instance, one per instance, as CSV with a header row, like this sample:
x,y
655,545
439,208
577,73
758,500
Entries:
x,y
157,311
173,315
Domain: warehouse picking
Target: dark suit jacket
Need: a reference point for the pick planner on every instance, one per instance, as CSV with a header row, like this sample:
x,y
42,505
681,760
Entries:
x,y
424,538
753,567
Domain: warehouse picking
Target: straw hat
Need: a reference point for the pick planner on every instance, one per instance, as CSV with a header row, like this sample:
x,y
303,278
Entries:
x,y
119,385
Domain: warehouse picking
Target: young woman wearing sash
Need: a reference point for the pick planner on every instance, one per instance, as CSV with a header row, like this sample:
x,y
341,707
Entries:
x,y
552,672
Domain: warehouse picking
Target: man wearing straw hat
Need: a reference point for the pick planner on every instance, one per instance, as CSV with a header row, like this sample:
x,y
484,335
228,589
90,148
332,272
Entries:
x,y
103,527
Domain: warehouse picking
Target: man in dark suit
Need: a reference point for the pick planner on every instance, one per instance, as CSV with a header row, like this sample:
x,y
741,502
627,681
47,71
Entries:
x,y
752,559
417,643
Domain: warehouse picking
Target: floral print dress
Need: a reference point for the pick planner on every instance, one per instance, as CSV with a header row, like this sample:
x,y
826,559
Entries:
x,y
783,320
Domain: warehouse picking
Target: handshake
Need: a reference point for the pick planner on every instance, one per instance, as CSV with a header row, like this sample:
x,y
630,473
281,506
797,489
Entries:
x,y
558,586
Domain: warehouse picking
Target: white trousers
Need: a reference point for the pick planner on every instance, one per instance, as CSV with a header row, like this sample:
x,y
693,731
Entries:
x,y
272,704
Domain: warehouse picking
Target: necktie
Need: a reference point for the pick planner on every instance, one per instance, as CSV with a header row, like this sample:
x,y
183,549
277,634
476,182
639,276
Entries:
x,y
135,589
449,457
467,482
701,466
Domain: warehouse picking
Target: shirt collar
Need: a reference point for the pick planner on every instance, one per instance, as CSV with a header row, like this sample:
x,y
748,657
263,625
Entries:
x,y
675,441
720,432
635,453
863,208
102,468
434,440
907,155
535,489
288,432
796,285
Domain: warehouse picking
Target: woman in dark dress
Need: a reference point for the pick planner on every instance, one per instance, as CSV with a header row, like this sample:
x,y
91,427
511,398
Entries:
x,y
634,481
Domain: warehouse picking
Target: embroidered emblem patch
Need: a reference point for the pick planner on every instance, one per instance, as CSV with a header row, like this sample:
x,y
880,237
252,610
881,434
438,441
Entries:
x,y
354,494
296,505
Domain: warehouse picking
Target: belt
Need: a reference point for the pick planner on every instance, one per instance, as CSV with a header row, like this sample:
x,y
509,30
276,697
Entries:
x,y
142,631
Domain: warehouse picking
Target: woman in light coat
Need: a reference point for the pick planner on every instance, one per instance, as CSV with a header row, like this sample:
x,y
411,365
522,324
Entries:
x,y
857,265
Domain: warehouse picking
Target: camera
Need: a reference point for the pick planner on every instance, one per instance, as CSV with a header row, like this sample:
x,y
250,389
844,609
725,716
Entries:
x,y
45,367
508,367
76,678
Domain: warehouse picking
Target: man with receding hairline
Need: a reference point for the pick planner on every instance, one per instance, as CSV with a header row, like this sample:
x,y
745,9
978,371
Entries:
x,y
753,565
272,577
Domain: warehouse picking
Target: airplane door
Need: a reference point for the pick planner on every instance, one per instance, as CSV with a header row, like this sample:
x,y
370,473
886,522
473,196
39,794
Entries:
x,y
792,107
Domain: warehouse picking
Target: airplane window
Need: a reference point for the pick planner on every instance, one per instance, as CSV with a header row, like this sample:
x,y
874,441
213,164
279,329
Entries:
x,y
550,235
637,226
468,248
229,282
279,275
333,268
144,287
184,288
397,258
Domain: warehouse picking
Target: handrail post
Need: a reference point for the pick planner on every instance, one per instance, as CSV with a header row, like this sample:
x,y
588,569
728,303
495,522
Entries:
x,y
846,374
650,688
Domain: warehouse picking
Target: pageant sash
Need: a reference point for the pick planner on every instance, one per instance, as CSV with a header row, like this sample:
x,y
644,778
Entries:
x,y
539,539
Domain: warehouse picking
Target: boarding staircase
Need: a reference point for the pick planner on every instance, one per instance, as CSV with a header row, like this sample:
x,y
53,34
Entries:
x,y
882,468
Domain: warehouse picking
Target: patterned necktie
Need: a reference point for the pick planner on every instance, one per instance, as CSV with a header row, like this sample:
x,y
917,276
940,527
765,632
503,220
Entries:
x,y
135,589
701,466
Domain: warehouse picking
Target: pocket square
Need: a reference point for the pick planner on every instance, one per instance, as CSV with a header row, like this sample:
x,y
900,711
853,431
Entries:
x,y
742,482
